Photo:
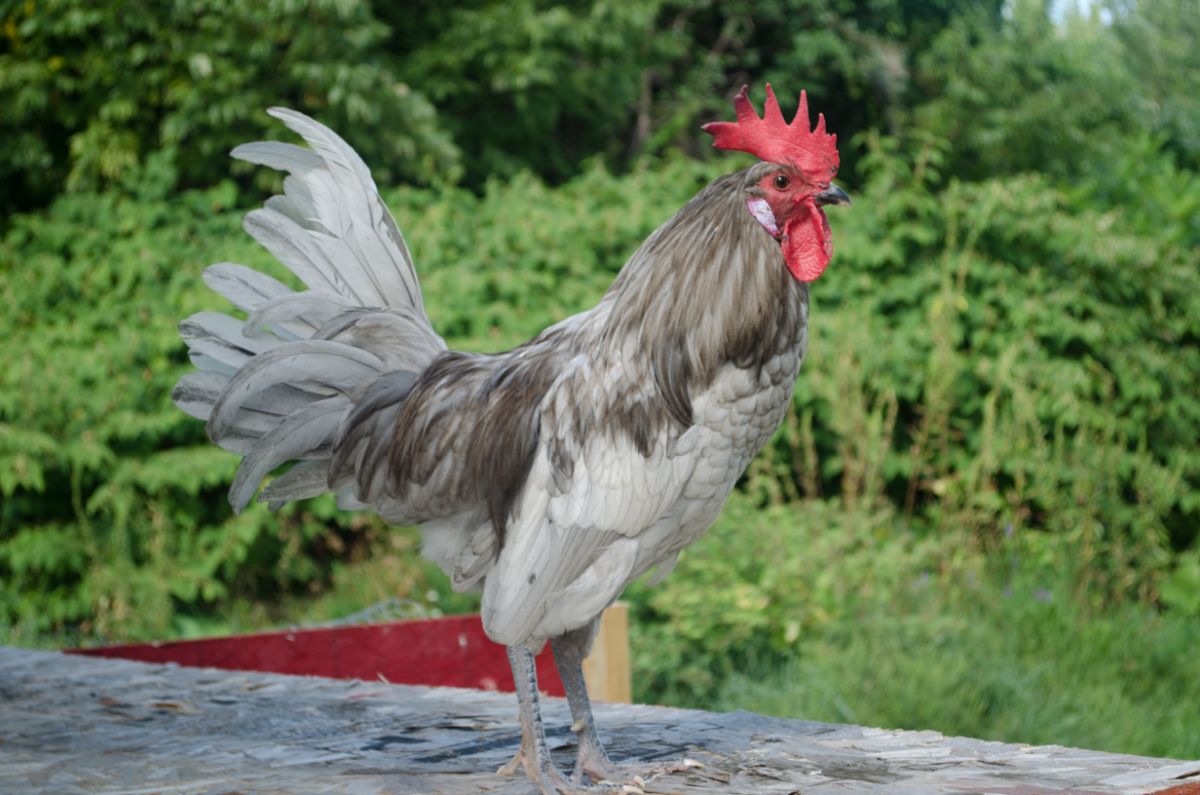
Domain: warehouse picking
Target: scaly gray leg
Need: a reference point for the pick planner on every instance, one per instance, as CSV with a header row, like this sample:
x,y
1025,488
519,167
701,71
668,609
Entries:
x,y
570,650
534,754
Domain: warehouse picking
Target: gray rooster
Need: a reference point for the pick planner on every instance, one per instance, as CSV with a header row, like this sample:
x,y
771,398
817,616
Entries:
x,y
549,476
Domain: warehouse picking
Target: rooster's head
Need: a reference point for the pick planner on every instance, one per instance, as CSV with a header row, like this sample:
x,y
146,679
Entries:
x,y
787,199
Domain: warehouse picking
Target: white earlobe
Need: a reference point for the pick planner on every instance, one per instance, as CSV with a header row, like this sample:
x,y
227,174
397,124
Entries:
x,y
763,214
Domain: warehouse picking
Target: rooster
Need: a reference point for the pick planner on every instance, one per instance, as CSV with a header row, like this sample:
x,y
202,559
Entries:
x,y
549,476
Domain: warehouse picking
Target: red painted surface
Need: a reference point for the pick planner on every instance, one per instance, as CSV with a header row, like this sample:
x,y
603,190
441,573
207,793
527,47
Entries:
x,y
450,652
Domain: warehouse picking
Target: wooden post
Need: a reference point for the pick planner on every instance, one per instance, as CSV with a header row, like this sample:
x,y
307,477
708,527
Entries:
x,y
606,670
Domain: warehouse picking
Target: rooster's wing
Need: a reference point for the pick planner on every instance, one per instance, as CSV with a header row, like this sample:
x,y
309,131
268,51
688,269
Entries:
x,y
600,505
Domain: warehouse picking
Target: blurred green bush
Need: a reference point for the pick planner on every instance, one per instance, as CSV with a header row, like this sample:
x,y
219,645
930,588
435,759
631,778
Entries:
x,y
96,94
808,611
93,95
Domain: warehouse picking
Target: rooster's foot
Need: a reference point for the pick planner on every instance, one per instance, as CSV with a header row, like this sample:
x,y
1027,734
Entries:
x,y
550,781
599,768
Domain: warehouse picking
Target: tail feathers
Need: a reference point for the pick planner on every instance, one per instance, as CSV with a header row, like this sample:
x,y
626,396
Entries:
x,y
197,393
305,255
273,398
280,156
304,435
213,337
278,386
298,315
319,367
331,228
359,461
245,287
400,338
305,479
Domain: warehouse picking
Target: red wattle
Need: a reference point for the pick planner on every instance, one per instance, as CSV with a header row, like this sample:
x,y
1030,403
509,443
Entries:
x,y
807,244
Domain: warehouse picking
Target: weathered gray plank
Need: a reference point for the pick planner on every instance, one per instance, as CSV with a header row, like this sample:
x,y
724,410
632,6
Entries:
x,y
89,725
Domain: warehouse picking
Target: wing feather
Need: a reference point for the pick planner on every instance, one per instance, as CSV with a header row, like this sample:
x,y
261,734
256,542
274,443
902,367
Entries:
x,y
575,541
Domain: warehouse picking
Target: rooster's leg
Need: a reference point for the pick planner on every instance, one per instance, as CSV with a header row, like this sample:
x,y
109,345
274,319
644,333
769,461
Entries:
x,y
570,650
534,754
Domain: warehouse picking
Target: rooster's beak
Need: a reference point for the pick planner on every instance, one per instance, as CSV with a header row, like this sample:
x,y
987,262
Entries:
x,y
832,195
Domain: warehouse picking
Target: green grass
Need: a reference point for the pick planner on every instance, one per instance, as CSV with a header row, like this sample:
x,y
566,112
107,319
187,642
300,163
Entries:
x,y
812,611
1015,668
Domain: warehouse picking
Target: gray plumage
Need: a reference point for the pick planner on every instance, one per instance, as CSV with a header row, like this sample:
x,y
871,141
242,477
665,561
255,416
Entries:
x,y
548,476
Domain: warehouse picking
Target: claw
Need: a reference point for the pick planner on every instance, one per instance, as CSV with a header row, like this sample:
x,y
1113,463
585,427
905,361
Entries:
x,y
510,767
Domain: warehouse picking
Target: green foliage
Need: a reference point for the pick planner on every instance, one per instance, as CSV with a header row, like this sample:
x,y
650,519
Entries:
x,y
975,365
764,578
1159,38
537,71
1024,96
812,611
1180,590
622,79
113,518
979,362
94,95
530,255
158,93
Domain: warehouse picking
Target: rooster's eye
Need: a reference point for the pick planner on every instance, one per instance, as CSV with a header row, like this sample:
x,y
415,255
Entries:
x,y
782,182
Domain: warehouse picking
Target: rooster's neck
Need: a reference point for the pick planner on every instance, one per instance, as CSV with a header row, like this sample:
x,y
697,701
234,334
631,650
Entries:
x,y
709,287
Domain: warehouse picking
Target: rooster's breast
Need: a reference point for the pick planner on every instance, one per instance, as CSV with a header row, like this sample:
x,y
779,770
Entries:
x,y
733,418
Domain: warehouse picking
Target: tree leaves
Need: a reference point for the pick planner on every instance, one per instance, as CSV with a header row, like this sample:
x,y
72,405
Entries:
x,y
92,97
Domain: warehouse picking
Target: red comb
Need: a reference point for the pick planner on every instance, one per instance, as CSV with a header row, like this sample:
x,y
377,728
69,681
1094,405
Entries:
x,y
772,139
